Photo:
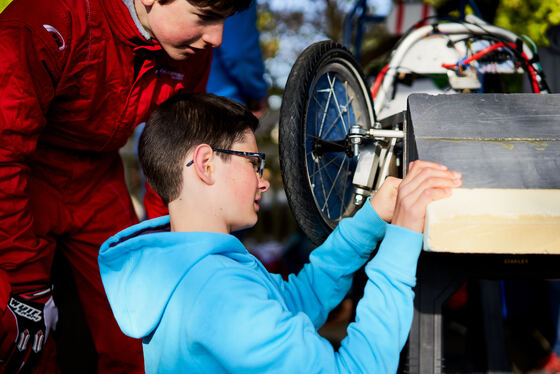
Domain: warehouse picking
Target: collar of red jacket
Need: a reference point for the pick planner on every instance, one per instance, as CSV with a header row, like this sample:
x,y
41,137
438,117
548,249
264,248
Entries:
x,y
120,21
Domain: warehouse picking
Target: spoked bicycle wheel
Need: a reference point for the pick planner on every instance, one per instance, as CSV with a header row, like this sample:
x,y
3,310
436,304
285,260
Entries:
x,y
325,96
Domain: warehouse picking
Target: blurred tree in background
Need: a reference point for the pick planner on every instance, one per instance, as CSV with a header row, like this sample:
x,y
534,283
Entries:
x,y
529,17
523,17
288,26
487,8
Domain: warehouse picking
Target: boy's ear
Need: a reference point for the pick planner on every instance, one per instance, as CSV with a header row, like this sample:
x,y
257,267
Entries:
x,y
203,163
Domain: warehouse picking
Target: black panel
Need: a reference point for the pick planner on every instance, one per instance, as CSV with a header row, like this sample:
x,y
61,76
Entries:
x,y
495,140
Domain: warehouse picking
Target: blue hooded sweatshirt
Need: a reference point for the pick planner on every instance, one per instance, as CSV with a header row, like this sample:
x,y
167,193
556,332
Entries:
x,y
203,304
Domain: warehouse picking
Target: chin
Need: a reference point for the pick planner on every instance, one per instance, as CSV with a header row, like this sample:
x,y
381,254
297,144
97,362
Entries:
x,y
180,56
245,226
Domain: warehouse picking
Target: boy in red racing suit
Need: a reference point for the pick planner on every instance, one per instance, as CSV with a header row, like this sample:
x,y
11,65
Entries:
x,y
76,78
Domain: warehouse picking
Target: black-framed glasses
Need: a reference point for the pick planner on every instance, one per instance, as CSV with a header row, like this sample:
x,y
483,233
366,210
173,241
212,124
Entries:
x,y
258,158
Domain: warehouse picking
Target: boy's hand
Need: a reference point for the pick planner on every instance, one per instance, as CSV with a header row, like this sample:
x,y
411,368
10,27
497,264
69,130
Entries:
x,y
384,200
424,183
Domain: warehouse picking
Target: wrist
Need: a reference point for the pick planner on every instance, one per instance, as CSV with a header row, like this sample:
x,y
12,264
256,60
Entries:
x,y
408,220
409,225
382,213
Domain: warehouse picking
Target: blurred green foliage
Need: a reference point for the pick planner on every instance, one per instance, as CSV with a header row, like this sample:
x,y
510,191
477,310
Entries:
x,y
529,17
267,23
523,17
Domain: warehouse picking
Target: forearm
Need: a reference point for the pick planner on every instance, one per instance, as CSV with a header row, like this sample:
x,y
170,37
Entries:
x,y
384,315
326,279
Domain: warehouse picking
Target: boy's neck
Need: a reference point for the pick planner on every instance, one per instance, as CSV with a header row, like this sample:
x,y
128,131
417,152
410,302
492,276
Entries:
x,y
131,5
185,218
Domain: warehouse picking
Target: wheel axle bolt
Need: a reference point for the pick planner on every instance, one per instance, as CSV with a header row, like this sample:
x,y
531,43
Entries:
x,y
358,199
356,133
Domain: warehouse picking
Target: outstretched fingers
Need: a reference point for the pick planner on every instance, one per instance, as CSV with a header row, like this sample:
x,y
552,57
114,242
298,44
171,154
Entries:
x,y
419,171
425,182
430,178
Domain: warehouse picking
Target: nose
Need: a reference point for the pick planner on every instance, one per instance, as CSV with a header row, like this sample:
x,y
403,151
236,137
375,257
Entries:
x,y
213,34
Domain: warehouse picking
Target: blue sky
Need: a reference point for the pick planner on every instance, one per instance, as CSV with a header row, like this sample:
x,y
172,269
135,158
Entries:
x,y
382,6
292,45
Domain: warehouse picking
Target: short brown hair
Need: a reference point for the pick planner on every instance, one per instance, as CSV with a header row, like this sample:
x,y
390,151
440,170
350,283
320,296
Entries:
x,y
223,6
180,124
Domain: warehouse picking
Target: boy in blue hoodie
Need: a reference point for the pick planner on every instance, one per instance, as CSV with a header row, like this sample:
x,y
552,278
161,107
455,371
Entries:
x,y
203,304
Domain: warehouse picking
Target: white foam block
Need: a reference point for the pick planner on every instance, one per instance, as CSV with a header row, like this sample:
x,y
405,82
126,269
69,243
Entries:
x,y
513,221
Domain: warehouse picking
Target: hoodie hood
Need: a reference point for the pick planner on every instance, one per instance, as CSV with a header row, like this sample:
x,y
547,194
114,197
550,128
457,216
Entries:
x,y
142,265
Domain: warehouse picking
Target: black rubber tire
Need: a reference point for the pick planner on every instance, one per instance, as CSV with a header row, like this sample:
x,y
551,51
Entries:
x,y
313,64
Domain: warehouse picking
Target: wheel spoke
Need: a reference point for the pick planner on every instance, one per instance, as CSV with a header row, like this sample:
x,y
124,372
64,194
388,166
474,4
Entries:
x,y
331,94
313,172
325,109
332,125
317,111
324,192
323,130
324,166
332,161
340,116
357,113
322,109
338,105
350,97
333,184
347,103
318,103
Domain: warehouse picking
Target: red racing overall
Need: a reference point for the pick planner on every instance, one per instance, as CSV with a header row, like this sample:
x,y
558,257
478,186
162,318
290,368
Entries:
x,y
76,78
